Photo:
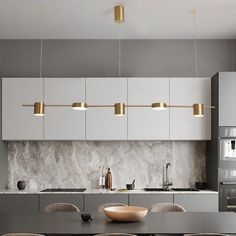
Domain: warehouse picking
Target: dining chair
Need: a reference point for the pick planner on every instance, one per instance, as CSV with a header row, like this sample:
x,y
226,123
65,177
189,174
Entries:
x,y
22,234
115,234
166,207
110,204
61,207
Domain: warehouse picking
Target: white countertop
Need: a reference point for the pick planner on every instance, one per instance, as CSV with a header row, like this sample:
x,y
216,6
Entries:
x,y
104,191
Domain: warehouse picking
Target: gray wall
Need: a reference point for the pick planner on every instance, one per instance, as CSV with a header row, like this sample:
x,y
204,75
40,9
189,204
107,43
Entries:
x,y
3,152
99,58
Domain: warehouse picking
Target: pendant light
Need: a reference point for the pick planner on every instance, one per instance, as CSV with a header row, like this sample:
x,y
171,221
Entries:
x,y
119,108
198,108
39,106
39,109
119,17
159,106
80,106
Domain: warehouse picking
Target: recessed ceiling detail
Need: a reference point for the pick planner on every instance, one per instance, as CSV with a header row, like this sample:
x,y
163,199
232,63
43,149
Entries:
x,y
93,19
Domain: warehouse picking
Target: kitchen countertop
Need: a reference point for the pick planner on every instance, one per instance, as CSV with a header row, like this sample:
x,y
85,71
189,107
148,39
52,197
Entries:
x,y
99,191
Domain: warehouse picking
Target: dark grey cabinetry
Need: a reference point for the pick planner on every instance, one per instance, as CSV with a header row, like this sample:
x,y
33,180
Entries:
x,y
93,201
147,200
227,98
46,199
197,202
19,202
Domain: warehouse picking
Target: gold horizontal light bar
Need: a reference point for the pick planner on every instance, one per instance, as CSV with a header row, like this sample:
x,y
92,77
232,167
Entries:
x,y
198,108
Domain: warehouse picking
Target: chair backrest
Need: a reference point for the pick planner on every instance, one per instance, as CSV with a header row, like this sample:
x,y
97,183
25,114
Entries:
x,y
115,234
167,207
110,204
207,234
61,207
22,234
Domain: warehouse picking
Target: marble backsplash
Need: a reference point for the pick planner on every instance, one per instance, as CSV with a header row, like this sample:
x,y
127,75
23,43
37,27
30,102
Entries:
x,y
45,164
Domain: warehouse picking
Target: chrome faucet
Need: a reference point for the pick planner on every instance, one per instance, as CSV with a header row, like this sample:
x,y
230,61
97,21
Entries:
x,y
167,180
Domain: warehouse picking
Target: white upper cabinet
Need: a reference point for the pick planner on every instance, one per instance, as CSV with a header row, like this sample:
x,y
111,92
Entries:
x,y
64,123
101,123
19,123
145,123
187,91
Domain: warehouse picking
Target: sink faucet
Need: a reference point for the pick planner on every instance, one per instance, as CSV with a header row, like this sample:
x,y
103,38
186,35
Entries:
x,y
167,180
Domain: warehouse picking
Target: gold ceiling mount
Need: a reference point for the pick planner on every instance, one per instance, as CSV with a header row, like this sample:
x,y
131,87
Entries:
x,y
119,14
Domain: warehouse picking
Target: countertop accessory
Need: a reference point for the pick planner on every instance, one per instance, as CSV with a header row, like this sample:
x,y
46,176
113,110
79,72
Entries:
x,y
200,185
126,213
86,217
130,186
108,179
21,185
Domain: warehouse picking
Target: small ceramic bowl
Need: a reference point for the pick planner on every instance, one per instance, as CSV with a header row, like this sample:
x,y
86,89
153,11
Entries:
x,y
130,186
126,213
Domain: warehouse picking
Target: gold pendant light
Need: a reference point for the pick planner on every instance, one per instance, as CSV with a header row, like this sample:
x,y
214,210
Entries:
x,y
119,109
159,106
39,109
39,106
198,110
80,106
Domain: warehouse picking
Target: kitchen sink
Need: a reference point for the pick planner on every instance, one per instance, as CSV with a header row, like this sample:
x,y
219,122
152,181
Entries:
x,y
64,190
172,189
155,189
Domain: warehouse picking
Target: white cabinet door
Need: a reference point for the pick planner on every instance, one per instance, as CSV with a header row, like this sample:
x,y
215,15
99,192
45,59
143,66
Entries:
x,y
187,91
19,123
64,123
145,123
101,123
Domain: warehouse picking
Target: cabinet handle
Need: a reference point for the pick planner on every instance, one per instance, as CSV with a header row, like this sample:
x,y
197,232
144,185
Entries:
x,y
228,183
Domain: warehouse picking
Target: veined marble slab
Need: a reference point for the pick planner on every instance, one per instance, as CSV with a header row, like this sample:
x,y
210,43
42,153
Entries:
x,y
74,164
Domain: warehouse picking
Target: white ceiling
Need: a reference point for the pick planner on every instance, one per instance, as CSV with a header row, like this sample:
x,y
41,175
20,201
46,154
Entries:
x,y
93,19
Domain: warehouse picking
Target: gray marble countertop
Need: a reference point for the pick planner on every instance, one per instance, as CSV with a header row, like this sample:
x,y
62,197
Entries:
x,y
103,191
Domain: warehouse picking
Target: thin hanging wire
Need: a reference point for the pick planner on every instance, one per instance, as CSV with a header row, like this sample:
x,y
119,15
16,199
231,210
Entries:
x,y
195,41
119,51
41,40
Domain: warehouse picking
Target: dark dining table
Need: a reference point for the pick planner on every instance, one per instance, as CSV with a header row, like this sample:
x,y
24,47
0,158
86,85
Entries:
x,y
164,223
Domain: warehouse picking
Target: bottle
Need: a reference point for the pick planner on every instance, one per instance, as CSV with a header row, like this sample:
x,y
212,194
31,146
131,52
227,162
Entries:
x,y
101,177
108,179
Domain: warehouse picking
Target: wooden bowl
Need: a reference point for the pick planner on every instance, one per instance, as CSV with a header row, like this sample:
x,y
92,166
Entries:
x,y
126,213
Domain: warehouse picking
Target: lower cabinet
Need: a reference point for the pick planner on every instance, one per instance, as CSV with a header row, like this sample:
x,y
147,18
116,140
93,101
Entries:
x,y
147,200
19,202
46,199
197,202
93,201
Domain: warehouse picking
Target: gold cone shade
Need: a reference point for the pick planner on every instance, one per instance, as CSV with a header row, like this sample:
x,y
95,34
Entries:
x,y
119,14
79,106
198,110
39,109
159,106
119,109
